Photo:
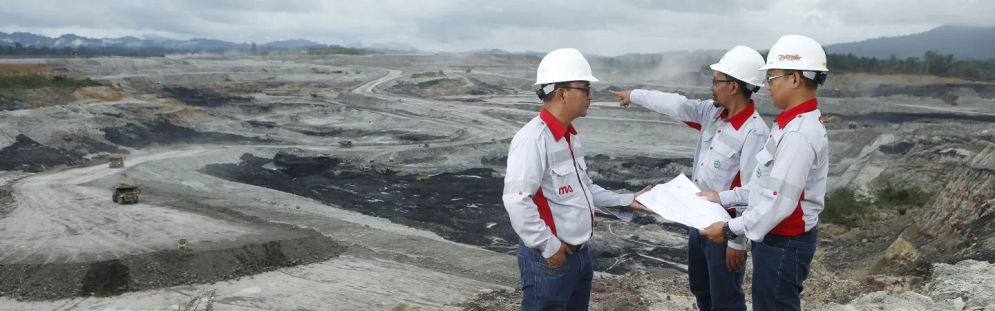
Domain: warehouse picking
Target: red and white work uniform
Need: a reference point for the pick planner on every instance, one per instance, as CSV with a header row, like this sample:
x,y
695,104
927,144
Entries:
x,y
547,193
725,154
789,188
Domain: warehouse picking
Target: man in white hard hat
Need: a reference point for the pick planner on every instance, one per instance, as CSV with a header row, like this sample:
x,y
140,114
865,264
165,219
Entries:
x,y
731,134
788,190
548,195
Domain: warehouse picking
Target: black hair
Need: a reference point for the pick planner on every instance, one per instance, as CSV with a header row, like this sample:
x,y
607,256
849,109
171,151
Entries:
x,y
547,96
820,78
746,88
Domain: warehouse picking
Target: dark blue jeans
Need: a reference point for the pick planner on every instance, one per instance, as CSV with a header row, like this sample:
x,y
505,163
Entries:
x,y
567,287
780,266
713,285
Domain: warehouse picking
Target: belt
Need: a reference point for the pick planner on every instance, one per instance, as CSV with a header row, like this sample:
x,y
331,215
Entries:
x,y
575,248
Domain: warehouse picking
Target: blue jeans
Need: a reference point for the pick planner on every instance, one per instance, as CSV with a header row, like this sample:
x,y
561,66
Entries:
x,y
713,285
567,287
780,266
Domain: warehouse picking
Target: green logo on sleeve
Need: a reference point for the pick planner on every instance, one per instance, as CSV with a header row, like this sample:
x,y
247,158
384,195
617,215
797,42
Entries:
x,y
718,164
758,172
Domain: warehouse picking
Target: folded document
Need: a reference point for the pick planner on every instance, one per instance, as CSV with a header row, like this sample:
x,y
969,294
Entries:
x,y
677,201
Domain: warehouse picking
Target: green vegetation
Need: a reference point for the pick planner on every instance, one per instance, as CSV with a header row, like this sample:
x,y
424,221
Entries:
x,y
931,63
845,206
34,80
900,197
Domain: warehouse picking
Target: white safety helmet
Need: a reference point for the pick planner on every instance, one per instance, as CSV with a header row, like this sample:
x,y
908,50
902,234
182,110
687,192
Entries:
x,y
562,65
797,52
742,63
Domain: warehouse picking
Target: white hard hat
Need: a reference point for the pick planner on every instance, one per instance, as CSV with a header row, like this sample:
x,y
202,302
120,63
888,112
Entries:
x,y
796,52
564,65
742,63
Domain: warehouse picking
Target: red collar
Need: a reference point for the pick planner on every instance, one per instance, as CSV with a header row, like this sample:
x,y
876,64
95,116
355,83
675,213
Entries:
x,y
740,118
554,125
788,115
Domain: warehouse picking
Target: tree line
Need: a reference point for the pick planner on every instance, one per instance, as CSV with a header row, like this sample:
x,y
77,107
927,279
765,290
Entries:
x,y
931,63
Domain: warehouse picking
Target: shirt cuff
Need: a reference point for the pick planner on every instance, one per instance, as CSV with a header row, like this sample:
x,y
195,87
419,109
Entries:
x,y
739,243
551,247
637,93
626,199
728,198
737,226
619,210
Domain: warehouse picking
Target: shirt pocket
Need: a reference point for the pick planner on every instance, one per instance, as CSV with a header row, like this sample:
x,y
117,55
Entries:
x,y
723,162
765,161
565,182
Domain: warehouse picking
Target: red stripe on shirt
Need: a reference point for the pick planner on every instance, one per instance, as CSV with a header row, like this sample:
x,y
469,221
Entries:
x,y
544,212
794,225
694,125
735,183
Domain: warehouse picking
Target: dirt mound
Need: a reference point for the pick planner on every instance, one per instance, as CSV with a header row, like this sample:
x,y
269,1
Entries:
x,y
161,269
303,166
462,206
444,86
164,132
202,97
97,94
28,155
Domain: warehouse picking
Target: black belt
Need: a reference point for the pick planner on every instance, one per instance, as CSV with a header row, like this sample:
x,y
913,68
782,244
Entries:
x,y
575,248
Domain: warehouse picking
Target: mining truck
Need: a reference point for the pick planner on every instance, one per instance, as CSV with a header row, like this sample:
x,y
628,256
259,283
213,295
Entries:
x,y
115,161
124,193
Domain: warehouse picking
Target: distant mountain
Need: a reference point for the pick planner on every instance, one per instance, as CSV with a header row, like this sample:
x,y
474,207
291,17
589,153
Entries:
x,y
959,41
292,44
154,45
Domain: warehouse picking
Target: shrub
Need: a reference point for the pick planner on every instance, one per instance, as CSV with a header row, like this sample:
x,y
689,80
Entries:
x,y
845,206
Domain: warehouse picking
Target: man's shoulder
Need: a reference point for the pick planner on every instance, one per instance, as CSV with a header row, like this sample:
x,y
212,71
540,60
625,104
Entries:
x,y
531,131
808,125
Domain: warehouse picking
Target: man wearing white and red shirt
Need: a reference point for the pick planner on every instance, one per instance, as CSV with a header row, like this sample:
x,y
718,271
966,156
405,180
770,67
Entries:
x,y
549,197
788,190
731,134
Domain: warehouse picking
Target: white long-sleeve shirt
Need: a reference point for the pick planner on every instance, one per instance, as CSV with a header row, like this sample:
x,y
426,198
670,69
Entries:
x,y
726,147
789,188
547,193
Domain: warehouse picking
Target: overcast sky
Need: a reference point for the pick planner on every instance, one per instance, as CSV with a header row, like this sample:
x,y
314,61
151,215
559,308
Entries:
x,y
596,27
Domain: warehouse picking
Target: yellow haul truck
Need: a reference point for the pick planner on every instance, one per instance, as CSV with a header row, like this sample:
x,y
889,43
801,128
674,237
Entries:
x,y
125,194
115,161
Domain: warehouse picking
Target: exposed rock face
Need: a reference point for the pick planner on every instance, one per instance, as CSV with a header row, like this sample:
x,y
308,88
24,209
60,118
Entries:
x,y
967,285
962,208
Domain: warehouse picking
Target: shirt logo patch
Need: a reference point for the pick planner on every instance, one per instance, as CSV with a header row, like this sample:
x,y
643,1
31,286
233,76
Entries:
x,y
566,189
758,172
717,164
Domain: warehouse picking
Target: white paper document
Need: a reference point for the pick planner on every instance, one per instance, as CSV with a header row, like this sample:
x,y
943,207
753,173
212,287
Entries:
x,y
677,201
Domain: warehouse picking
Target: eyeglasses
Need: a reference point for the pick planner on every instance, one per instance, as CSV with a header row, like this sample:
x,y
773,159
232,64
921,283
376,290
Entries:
x,y
587,90
769,79
717,81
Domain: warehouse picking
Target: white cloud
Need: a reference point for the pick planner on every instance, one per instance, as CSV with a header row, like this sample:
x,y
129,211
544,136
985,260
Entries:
x,y
598,27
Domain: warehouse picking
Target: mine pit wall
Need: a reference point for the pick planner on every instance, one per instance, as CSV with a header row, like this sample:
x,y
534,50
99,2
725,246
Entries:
x,y
955,226
161,269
